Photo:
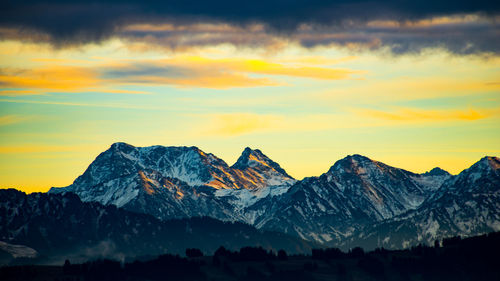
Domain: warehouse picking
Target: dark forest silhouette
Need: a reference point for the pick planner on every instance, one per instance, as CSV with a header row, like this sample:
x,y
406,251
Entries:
x,y
474,258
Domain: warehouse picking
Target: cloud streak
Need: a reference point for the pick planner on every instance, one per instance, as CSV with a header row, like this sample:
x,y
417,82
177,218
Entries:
x,y
12,119
244,123
195,71
57,78
428,115
182,71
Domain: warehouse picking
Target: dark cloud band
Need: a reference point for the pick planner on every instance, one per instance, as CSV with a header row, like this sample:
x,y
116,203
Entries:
x,y
62,23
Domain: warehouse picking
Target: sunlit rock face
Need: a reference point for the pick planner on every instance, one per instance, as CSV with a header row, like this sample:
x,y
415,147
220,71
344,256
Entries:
x,y
188,164
260,171
176,182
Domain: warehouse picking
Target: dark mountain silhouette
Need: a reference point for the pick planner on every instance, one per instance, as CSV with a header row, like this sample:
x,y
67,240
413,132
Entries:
x,y
58,225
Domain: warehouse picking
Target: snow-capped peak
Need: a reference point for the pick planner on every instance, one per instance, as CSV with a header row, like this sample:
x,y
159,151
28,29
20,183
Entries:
x,y
121,173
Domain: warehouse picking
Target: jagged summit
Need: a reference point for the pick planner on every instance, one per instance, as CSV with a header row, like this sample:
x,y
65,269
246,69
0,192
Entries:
x,y
483,175
487,163
189,164
254,158
356,158
355,191
492,161
173,181
121,145
465,205
436,172
250,157
355,162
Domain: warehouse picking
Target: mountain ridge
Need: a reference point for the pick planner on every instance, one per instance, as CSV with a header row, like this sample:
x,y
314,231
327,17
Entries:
x,y
181,182
467,205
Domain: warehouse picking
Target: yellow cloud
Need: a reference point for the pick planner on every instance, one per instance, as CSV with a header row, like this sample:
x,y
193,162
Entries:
x,y
316,60
45,70
56,78
104,105
409,88
258,66
36,148
11,119
196,71
263,67
425,115
202,79
118,91
233,124
18,93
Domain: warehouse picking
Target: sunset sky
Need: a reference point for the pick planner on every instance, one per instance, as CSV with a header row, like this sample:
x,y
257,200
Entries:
x,y
412,84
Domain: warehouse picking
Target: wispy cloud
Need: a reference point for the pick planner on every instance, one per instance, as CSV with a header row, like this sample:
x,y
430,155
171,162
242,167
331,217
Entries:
x,y
55,78
429,115
180,73
19,93
104,105
109,79
242,123
271,68
195,71
12,119
233,124
404,88
42,148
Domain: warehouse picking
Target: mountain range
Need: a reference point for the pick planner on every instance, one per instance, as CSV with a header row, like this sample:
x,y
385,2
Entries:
x,y
358,201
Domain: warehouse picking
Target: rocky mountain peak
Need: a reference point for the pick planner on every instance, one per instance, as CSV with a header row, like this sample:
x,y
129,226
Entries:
x,y
436,172
254,158
483,176
487,165
121,146
351,163
124,174
250,158
493,162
